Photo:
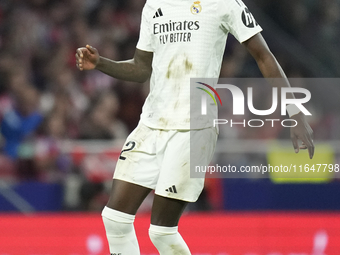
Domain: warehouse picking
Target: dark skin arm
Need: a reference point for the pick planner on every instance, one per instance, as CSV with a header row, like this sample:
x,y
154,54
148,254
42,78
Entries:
x,y
137,69
270,68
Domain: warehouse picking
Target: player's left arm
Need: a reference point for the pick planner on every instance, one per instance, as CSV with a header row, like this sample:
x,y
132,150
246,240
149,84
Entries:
x,y
270,68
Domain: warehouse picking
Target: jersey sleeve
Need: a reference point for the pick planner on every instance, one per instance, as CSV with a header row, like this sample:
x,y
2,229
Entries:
x,y
238,20
145,35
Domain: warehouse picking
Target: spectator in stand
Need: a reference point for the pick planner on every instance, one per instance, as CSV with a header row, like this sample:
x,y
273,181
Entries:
x,y
19,126
101,122
50,161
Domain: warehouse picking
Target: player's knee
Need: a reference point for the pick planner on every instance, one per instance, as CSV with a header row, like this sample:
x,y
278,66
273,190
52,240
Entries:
x,y
168,241
117,224
120,232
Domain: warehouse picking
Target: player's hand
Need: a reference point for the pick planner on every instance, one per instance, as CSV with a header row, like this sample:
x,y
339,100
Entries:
x,y
87,58
304,133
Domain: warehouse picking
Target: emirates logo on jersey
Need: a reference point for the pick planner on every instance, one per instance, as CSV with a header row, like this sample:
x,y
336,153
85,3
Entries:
x,y
175,31
196,8
248,19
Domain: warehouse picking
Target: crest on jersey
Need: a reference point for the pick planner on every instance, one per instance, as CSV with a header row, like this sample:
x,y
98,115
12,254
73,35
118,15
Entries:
x,y
196,8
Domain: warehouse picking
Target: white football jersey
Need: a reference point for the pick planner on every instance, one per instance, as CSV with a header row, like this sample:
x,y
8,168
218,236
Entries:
x,y
188,39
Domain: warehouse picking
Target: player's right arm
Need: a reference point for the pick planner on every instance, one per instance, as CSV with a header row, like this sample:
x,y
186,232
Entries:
x,y
137,69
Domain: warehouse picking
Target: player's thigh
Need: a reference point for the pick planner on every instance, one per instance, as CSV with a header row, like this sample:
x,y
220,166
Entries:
x,y
127,197
167,211
136,171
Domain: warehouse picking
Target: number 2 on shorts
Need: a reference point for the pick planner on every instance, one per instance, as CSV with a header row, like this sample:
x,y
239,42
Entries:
x,y
133,144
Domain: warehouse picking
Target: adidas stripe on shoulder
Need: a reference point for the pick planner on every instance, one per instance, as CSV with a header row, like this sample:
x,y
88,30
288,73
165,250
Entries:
x,y
158,13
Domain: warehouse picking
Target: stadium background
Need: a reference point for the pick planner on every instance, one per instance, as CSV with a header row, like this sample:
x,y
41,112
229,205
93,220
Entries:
x,y
55,172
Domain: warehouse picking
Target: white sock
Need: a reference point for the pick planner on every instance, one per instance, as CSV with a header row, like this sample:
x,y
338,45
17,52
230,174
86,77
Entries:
x,y
120,232
168,241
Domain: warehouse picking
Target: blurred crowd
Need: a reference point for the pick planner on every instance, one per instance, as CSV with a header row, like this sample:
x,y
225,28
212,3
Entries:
x,y
45,99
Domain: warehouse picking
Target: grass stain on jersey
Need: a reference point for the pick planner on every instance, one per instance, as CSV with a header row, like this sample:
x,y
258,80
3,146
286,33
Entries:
x,y
168,73
163,122
188,66
176,105
178,67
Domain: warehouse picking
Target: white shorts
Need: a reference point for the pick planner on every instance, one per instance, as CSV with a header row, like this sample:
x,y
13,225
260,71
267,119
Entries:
x,y
160,160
